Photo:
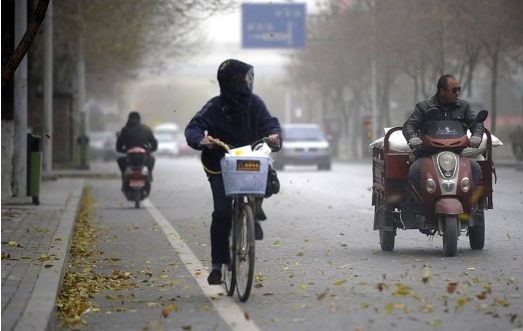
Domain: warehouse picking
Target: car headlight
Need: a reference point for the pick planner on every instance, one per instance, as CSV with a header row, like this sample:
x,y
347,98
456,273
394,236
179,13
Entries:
x,y
447,163
430,185
465,184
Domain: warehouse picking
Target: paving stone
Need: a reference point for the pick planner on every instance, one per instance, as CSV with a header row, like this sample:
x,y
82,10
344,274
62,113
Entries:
x,y
32,227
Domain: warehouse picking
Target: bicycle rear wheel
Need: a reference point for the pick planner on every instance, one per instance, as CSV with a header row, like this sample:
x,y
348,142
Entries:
x,y
244,250
228,270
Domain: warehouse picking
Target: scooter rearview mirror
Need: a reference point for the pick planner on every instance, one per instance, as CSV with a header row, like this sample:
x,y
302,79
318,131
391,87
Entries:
x,y
481,116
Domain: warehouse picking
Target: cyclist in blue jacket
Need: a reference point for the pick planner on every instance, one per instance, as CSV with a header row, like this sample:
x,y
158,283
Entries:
x,y
237,117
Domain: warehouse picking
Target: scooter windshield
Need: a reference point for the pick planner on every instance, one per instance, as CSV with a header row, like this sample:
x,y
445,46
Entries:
x,y
445,130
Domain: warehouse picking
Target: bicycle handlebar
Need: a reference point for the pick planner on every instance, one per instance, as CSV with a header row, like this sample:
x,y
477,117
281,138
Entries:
x,y
227,147
263,140
215,143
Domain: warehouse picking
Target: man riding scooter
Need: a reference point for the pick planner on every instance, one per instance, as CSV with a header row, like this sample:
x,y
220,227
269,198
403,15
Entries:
x,y
449,108
135,134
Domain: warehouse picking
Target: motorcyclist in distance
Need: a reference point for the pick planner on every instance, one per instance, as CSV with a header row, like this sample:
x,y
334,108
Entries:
x,y
136,134
451,108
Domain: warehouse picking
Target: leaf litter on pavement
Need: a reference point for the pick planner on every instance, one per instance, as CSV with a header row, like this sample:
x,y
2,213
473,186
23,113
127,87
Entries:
x,y
469,292
82,282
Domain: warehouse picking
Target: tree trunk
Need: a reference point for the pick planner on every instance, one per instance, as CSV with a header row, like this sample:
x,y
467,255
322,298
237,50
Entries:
x,y
23,47
470,74
422,78
494,85
386,105
473,61
416,88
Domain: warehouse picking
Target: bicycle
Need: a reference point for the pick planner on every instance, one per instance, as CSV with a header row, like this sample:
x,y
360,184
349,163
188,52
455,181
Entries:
x,y
244,177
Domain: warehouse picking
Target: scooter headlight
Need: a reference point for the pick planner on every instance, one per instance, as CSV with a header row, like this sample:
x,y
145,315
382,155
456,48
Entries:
x,y
465,184
430,185
447,163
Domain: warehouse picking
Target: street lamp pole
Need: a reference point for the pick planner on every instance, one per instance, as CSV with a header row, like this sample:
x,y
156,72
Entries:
x,y
48,90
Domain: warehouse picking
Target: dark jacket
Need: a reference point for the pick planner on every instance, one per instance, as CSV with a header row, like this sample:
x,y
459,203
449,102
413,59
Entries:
x,y
253,124
135,134
461,112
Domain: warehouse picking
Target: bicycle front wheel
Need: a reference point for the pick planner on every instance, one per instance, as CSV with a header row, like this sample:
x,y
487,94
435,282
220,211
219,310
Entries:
x,y
228,270
244,251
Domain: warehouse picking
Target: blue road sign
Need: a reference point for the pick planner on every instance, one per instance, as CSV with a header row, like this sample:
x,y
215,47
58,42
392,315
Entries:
x,y
273,25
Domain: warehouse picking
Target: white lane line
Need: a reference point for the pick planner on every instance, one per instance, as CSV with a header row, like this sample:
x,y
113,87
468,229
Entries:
x,y
225,306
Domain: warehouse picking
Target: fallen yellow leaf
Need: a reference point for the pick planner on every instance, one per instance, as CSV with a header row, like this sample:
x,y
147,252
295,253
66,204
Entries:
x,y
434,324
388,308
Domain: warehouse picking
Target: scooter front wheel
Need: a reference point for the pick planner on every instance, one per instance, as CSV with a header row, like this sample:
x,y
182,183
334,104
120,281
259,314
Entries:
x,y
450,236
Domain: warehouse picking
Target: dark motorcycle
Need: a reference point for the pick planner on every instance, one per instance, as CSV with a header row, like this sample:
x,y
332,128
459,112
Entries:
x,y
450,205
137,181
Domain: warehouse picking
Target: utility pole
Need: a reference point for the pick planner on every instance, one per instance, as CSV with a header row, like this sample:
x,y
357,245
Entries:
x,y
84,119
48,91
20,106
374,101
373,80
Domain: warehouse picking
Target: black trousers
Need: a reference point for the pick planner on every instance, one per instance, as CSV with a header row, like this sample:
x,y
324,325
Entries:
x,y
415,174
221,221
122,164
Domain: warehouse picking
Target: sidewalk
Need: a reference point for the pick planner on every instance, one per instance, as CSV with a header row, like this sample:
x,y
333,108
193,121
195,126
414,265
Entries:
x,y
35,246
97,169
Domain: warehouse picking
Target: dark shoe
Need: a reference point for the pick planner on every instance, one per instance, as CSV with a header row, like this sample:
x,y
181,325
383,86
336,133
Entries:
x,y
258,232
260,214
215,278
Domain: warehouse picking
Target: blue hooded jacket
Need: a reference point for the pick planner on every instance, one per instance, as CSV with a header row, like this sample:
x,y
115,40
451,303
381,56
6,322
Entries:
x,y
237,117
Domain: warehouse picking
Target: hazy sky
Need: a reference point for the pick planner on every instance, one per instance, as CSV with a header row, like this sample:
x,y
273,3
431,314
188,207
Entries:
x,y
223,32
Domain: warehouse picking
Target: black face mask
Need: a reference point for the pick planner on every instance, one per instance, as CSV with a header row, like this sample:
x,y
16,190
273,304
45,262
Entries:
x,y
236,83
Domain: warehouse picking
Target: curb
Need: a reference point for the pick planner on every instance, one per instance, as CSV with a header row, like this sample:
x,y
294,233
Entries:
x,y
41,308
80,175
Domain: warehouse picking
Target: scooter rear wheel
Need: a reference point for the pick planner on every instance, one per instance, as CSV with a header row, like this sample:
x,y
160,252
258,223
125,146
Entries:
x,y
477,237
450,236
137,197
387,239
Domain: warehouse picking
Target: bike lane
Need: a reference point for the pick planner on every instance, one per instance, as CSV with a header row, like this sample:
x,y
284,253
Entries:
x,y
158,283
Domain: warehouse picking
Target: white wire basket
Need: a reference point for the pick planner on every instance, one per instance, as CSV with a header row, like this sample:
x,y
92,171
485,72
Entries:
x,y
245,175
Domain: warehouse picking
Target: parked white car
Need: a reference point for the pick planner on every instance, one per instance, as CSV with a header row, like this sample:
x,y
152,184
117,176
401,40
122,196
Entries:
x,y
167,145
303,144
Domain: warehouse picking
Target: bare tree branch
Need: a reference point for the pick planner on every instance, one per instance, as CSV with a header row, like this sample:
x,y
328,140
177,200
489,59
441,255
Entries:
x,y
23,47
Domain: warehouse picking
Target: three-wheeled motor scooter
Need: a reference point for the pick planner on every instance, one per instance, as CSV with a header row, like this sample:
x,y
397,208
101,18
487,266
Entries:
x,y
450,205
